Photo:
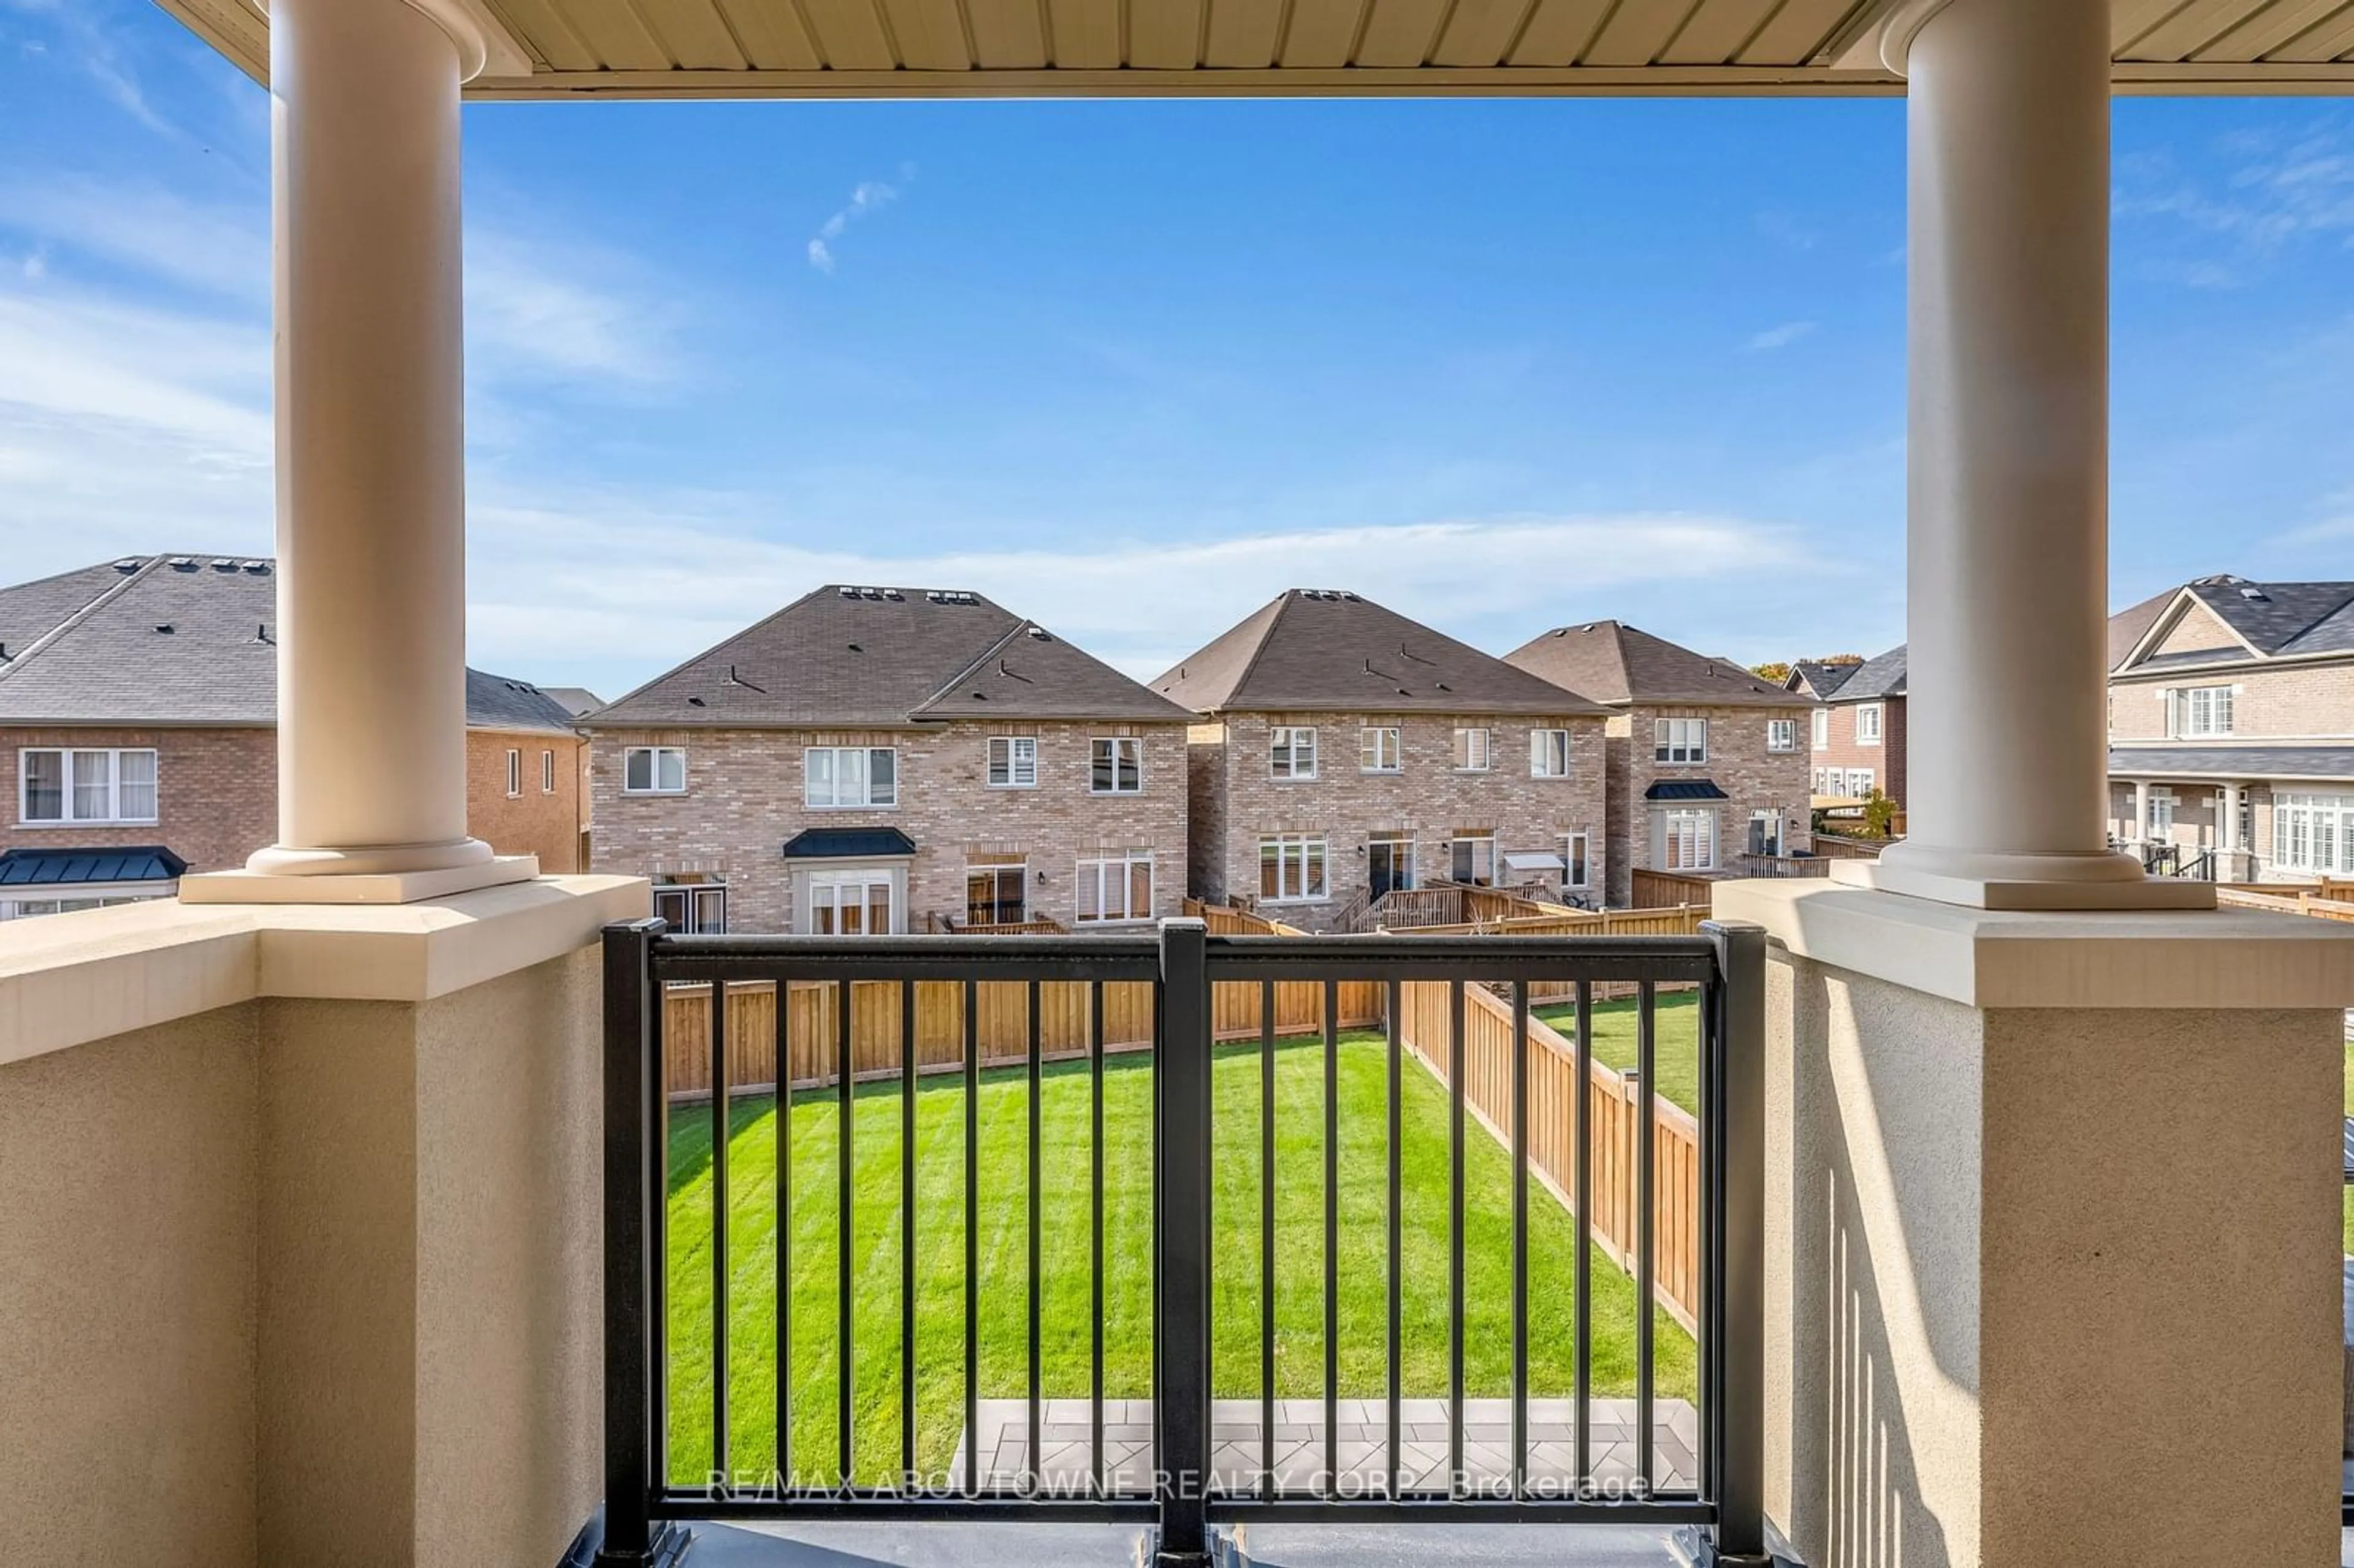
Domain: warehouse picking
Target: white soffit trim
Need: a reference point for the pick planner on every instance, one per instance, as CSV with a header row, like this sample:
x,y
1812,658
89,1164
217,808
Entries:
x,y
1879,35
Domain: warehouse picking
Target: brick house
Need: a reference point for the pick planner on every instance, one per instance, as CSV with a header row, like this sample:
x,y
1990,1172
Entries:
x,y
1706,761
894,759
2231,729
1855,738
1344,750
138,714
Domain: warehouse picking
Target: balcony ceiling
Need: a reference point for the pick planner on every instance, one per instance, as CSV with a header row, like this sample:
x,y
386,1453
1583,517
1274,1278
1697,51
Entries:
x,y
834,48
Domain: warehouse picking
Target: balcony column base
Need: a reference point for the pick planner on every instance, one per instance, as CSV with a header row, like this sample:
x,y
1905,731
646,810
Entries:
x,y
339,886
2051,1231
2095,882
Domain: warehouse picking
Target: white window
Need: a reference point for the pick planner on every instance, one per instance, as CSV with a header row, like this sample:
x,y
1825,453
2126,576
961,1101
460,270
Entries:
x,y
2161,813
93,786
1548,753
1766,833
654,770
1860,781
997,894
1291,868
1822,729
1574,860
1689,843
547,773
1867,724
859,903
2313,833
2199,710
693,908
1472,858
1781,734
842,775
1119,767
1471,750
514,772
1377,749
1680,741
1116,887
1012,761
1291,753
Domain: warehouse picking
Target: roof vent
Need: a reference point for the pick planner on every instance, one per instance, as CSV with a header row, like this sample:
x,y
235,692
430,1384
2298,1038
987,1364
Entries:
x,y
2257,594
1039,633
894,595
848,592
128,564
696,703
261,633
183,563
219,565
258,568
165,627
935,595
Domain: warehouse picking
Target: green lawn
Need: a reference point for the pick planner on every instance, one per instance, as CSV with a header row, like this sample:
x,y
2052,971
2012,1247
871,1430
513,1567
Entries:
x,y
1675,1047
1066,1303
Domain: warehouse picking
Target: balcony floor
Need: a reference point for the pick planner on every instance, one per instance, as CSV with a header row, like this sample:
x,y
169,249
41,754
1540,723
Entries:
x,y
1115,1546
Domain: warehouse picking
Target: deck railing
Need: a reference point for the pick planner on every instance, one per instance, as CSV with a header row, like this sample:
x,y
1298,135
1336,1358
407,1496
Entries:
x,y
1177,1462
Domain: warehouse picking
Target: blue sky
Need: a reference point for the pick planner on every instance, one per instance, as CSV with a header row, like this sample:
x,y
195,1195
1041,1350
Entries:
x,y
1133,368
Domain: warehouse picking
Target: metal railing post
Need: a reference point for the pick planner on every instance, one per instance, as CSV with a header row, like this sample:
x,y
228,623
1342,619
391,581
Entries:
x,y
1180,1392
631,1538
1739,1358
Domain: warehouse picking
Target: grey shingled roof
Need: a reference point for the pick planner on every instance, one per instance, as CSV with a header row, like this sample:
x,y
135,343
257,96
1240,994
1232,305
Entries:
x,y
2129,625
1619,665
851,657
180,640
2233,761
1882,675
2277,619
576,700
1332,651
1813,677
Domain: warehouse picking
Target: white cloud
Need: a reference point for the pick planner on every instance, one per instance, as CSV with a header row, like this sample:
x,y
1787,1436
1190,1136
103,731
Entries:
x,y
869,197
1782,337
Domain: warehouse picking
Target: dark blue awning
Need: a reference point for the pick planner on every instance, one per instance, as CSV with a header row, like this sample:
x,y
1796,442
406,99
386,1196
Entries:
x,y
847,843
74,867
1685,789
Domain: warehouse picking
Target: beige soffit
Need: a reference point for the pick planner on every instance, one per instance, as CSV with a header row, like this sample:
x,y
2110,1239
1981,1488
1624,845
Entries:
x,y
1159,48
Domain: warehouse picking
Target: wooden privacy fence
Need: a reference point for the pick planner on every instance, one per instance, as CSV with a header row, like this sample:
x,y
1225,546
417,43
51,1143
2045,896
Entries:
x,y
1665,889
2331,901
1615,1107
1683,920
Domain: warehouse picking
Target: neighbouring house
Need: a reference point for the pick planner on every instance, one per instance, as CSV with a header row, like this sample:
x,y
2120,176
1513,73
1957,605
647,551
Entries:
x,y
1855,737
1345,751
2231,729
891,759
1707,761
138,717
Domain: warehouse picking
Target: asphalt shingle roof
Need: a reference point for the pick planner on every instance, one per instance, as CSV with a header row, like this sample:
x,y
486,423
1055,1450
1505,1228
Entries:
x,y
1812,677
2233,761
180,640
1619,665
2277,619
1881,675
1329,649
848,657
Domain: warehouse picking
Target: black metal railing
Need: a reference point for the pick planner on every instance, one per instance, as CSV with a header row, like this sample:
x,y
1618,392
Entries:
x,y
1181,985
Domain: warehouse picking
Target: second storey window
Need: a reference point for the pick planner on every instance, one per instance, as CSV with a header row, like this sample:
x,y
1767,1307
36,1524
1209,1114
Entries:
x,y
1012,761
1291,753
547,773
64,786
1822,729
1867,724
1781,734
1378,749
1119,765
2199,710
1680,741
654,770
1548,753
514,772
1290,867
836,776
1471,750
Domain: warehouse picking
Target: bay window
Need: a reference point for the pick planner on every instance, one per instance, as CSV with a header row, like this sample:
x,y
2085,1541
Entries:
x,y
1689,840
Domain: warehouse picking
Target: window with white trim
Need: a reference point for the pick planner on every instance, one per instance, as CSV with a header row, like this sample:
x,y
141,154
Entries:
x,y
1867,724
838,777
1690,840
2161,813
1860,781
2199,710
1471,748
654,770
1291,752
1291,869
1573,861
693,908
997,894
514,772
547,772
2313,833
1115,887
1821,721
92,785
1471,858
1118,766
1781,734
1012,761
1680,741
1378,750
1548,753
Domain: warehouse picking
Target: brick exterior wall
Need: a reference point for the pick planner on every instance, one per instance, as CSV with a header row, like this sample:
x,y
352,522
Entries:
x,y
216,794
1844,752
1427,799
745,799
1753,778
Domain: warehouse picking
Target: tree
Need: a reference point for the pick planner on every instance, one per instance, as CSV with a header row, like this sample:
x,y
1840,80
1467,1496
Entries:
x,y
1776,671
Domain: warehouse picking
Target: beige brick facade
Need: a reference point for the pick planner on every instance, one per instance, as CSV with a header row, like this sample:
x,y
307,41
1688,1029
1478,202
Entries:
x,y
1756,779
1238,802
745,799
544,817
1843,754
2283,704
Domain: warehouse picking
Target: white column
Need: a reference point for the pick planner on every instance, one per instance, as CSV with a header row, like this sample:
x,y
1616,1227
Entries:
x,y
2227,836
371,459
2008,122
2141,810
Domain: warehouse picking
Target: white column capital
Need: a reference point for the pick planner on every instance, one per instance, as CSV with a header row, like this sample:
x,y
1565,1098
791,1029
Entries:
x,y
1894,36
484,44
